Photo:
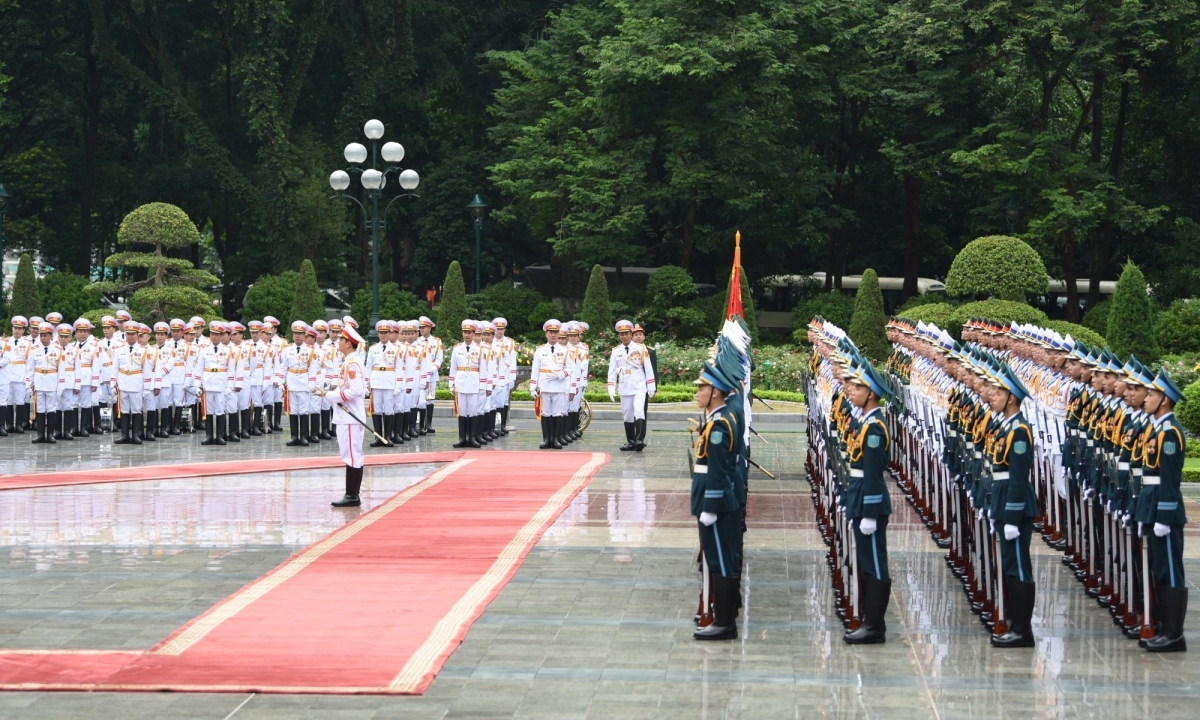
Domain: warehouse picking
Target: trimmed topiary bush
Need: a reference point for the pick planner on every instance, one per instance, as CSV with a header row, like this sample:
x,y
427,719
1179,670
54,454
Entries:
x,y
26,300
1001,311
308,304
1077,332
1131,318
1178,327
943,315
999,266
868,322
452,309
271,295
836,307
596,310
917,301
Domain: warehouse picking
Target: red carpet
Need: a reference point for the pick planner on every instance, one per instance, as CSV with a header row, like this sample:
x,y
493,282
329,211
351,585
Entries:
x,y
376,607
210,469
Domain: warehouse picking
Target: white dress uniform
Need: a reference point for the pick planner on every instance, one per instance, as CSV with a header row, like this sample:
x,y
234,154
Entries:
x,y
347,395
630,374
549,379
215,369
464,379
47,360
381,362
435,351
15,374
129,363
241,363
68,382
176,378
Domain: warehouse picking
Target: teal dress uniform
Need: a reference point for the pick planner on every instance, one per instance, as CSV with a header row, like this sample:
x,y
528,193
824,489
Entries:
x,y
714,480
867,493
1161,502
1014,500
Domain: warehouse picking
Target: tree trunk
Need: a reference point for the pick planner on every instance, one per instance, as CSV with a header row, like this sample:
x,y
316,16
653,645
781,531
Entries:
x,y
1102,245
91,127
912,235
1069,276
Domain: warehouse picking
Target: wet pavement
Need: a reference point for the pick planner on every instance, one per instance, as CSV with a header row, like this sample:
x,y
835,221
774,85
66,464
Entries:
x,y
596,623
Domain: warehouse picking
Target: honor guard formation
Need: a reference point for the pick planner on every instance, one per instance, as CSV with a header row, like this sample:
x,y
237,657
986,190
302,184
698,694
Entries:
x,y
1016,429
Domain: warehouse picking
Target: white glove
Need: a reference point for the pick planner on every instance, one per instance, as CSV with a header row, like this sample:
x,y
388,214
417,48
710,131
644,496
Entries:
x,y
707,518
1089,494
611,397
1162,530
979,514
1011,532
866,526
651,391
533,393
1140,533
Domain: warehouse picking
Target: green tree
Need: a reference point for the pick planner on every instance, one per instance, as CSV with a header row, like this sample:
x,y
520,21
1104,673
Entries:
x,y
172,287
271,295
998,266
1178,328
1131,317
394,304
596,311
1096,318
452,309
1189,410
514,304
308,304
26,299
834,306
867,326
67,293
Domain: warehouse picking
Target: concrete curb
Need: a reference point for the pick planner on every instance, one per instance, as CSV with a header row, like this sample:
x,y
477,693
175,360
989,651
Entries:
x,y
444,409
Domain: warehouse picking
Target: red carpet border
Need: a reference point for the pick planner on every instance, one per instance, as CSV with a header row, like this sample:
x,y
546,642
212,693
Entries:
x,y
376,607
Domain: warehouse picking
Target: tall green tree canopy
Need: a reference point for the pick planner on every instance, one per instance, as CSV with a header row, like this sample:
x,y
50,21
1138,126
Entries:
x,y
26,297
597,311
452,307
867,324
1131,317
308,304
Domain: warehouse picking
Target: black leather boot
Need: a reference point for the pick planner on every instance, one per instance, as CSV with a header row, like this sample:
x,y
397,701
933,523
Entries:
x,y
724,625
390,429
298,440
164,423
126,433
176,421
429,419
222,429
256,422
244,424
27,412
353,486
39,424
639,435
83,418
97,421
464,438
6,420
234,422
314,427
326,420
21,424
1020,613
1172,604
139,423
420,420
478,430
875,596
151,424
629,438
210,430
66,423
377,421
277,420
413,424
504,420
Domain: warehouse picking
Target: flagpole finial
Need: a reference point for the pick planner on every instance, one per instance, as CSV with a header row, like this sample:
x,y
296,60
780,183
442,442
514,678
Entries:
x,y
737,238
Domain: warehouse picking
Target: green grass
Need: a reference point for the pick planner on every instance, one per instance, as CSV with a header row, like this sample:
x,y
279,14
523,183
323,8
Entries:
x,y
1191,470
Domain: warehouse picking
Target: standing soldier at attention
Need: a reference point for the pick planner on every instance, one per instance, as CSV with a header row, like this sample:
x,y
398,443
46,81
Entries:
x,y
1159,512
435,350
465,384
1014,504
213,372
291,372
274,398
46,359
16,350
639,337
714,503
548,384
176,379
88,372
577,356
68,385
129,360
164,361
507,375
630,375
381,364
345,400
868,504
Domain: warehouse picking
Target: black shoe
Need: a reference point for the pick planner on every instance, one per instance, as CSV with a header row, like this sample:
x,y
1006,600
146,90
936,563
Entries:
x,y
429,419
277,421
1021,598
1172,608
875,596
256,422
724,626
299,426
353,486
629,438
314,427
639,435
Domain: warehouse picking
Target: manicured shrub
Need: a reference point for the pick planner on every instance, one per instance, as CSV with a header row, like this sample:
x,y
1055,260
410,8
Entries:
x,y
867,326
999,266
452,308
596,310
308,304
1131,319
1178,327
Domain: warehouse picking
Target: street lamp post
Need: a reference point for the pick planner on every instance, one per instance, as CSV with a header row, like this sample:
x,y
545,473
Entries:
x,y
477,207
373,181
1012,213
4,198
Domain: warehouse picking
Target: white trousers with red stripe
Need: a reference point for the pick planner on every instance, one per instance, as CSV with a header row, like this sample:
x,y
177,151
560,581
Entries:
x,y
350,438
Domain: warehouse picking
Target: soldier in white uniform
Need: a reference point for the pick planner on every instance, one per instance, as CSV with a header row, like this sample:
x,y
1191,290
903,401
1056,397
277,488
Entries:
x,y
408,381
465,385
158,404
506,372
548,383
577,360
129,362
257,378
112,340
275,396
87,371
45,359
345,398
239,396
333,362
176,379
151,382
68,385
292,372
435,351
15,374
381,374
214,368
629,374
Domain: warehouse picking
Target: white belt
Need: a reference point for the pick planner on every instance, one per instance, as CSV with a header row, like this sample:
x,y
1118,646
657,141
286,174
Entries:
x,y
1002,475
1122,466
953,433
1151,480
856,472
978,455
1091,443
701,469
1137,472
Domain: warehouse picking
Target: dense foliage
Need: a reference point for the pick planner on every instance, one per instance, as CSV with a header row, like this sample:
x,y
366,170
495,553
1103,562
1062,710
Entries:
x,y
1077,332
944,315
1188,411
1131,317
1001,311
66,293
835,135
452,306
867,325
997,266
514,304
834,306
394,304
1096,317
271,295
1178,328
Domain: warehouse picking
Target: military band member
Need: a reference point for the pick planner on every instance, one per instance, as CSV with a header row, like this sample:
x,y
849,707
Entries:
x,y
868,503
714,503
381,364
465,385
175,382
548,381
291,372
1160,514
47,359
506,376
275,393
129,361
345,398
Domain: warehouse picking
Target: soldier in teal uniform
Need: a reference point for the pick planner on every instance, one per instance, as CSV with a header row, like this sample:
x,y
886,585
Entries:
x,y
1160,514
718,453
1014,505
868,504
